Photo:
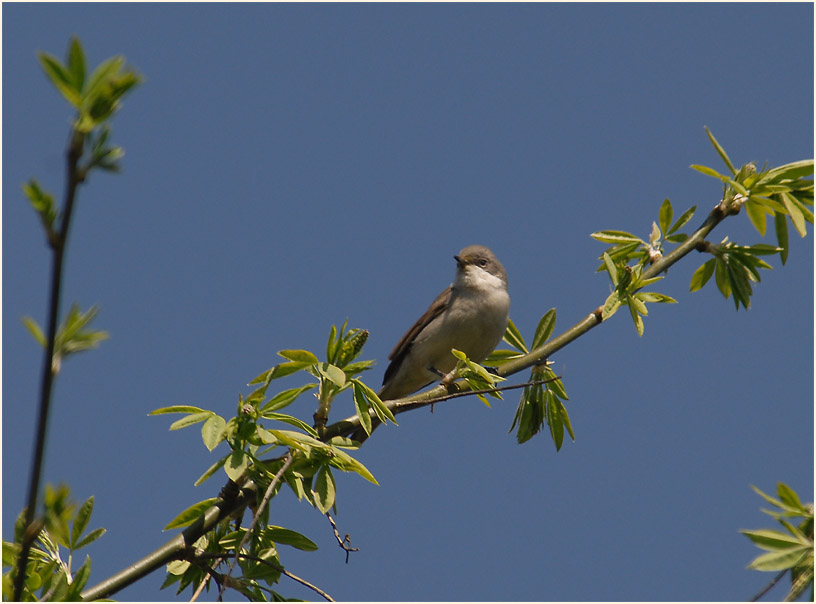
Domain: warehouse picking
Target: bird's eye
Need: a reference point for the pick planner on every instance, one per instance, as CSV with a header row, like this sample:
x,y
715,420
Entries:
x,y
483,262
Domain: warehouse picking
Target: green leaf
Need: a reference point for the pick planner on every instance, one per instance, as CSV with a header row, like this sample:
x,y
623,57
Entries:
x,y
616,237
636,300
35,331
655,297
545,328
324,489
89,538
81,520
499,357
708,171
191,514
43,204
771,540
331,346
610,306
76,63
380,408
347,463
285,536
795,213
684,218
191,419
611,269
211,470
562,411
236,464
721,278
554,420
781,560
636,318
300,356
100,78
791,171
702,275
768,498
789,496
80,578
60,77
758,216
292,421
279,371
332,373
176,409
213,431
361,405
513,336
720,151
665,216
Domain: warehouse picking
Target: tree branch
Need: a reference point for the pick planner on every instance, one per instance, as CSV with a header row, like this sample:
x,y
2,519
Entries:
x,y
223,509
57,242
351,425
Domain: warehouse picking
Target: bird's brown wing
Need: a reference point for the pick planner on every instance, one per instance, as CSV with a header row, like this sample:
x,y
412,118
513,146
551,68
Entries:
x,y
436,308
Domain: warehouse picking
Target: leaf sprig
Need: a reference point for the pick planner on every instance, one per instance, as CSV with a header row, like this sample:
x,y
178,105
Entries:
x,y
542,402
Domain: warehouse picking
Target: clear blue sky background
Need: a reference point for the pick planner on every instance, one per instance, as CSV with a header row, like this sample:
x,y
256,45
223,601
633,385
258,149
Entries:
x,y
289,166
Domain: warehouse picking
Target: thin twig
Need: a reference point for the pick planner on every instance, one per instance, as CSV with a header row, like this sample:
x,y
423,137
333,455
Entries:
x,y
487,390
287,461
58,242
277,567
210,568
770,585
342,542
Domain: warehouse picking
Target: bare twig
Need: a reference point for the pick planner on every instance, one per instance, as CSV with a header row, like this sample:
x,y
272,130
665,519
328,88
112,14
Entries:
x,y
287,461
344,543
770,585
487,390
271,564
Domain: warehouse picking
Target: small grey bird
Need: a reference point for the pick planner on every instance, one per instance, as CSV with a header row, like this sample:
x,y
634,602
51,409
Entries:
x,y
470,315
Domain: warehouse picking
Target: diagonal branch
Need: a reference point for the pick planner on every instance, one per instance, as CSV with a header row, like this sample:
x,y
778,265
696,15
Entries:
x,y
224,507
351,425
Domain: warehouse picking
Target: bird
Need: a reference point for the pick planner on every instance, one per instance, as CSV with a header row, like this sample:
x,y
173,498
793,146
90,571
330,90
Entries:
x,y
471,315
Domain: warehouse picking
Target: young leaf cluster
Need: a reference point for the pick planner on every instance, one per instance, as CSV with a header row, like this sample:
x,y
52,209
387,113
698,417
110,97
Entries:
x,y
72,334
791,549
784,193
476,377
628,281
259,562
97,96
734,267
61,532
542,401
259,429
627,247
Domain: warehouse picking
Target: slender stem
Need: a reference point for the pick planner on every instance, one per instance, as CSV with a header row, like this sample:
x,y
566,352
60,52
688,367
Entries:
x,y
277,567
290,457
351,425
770,585
58,245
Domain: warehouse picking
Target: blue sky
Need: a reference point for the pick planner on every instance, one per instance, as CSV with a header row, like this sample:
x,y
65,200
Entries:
x,y
288,166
